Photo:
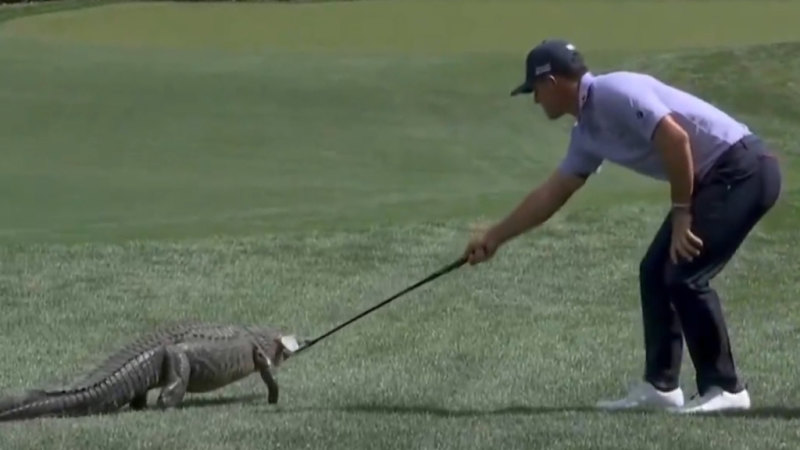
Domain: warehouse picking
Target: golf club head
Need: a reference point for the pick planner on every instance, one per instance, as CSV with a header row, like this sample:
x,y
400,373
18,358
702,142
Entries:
x,y
290,343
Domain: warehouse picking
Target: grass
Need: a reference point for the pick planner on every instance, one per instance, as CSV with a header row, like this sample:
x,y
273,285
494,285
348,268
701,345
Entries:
x,y
296,176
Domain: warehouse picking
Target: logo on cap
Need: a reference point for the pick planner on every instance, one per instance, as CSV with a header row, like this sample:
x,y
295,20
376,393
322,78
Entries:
x,y
543,69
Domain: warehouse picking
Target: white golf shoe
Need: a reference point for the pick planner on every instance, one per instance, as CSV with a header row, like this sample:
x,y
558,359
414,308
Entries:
x,y
715,400
645,396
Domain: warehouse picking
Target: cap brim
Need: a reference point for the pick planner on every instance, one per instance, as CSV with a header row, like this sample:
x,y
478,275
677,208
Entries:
x,y
523,88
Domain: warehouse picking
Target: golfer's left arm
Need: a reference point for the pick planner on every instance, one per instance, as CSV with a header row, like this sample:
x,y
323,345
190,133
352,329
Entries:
x,y
672,142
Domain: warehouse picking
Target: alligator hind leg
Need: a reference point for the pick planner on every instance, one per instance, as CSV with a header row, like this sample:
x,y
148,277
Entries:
x,y
139,402
176,371
264,366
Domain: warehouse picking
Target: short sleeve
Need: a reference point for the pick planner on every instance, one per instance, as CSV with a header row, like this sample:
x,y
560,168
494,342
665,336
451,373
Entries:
x,y
633,105
578,161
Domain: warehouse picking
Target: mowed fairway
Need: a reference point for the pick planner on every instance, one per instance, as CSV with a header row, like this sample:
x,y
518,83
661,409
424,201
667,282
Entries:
x,y
296,164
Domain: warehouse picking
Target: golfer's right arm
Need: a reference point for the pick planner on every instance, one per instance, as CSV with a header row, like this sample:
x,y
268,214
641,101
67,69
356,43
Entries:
x,y
537,207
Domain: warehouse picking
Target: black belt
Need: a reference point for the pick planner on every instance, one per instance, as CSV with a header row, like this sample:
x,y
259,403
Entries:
x,y
738,162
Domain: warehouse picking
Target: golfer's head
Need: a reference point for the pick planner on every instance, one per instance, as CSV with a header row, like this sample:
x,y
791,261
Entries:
x,y
553,70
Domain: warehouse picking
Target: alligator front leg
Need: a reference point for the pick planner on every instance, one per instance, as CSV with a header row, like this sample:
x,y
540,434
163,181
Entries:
x,y
176,370
264,366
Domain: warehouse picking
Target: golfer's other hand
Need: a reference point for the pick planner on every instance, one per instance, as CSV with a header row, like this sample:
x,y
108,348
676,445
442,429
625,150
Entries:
x,y
480,248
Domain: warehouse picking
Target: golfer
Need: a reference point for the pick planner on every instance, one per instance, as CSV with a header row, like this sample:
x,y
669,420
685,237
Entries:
x,y
722,181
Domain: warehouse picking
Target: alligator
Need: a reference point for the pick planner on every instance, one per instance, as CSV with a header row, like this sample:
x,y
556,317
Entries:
x,y
178,358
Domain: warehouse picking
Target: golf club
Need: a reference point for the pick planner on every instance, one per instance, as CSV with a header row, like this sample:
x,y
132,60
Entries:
x,y
291,343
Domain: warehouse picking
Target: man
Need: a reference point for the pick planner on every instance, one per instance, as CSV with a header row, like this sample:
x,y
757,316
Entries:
x,y
722,181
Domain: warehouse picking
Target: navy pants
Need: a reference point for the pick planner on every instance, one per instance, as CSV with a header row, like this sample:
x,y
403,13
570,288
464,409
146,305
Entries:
x,y
736,193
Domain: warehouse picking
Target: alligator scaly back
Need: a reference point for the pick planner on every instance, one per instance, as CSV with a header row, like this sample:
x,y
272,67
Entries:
x,y
133,352
124,376
180,358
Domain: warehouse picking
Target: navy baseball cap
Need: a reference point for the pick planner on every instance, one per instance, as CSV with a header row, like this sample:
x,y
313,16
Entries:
x,y
551,57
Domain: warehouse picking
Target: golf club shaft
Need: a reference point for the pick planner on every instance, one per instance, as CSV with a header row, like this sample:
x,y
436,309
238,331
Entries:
x,y
450,267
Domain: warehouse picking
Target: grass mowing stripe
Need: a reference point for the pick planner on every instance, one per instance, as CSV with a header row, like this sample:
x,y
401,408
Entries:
x,y
417,26
493,349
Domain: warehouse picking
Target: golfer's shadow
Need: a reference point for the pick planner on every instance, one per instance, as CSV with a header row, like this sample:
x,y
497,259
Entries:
x,y
758,412
766,412
200,402
445,412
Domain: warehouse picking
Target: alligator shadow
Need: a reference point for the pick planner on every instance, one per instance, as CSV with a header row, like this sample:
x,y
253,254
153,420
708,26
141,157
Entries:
x,y
195,402
204,402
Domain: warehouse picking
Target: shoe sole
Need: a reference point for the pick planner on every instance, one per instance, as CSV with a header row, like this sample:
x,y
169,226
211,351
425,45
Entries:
x,y
715,411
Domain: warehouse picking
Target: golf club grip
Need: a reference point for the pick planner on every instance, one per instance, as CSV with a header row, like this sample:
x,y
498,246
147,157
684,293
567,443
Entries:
x,y
449,268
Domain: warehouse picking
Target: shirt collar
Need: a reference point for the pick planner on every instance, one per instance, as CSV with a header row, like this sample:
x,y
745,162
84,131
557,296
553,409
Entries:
x,y
584,89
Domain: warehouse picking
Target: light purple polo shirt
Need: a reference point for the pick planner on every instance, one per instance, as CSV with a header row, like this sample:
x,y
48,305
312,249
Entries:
x,y
618,115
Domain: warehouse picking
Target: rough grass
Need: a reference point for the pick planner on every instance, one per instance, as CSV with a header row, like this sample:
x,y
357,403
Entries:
x,y
418,27
255,185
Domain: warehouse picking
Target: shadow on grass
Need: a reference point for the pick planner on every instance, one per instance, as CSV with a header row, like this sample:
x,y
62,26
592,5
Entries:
x,y
201,402
763,412
444,412
766,412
